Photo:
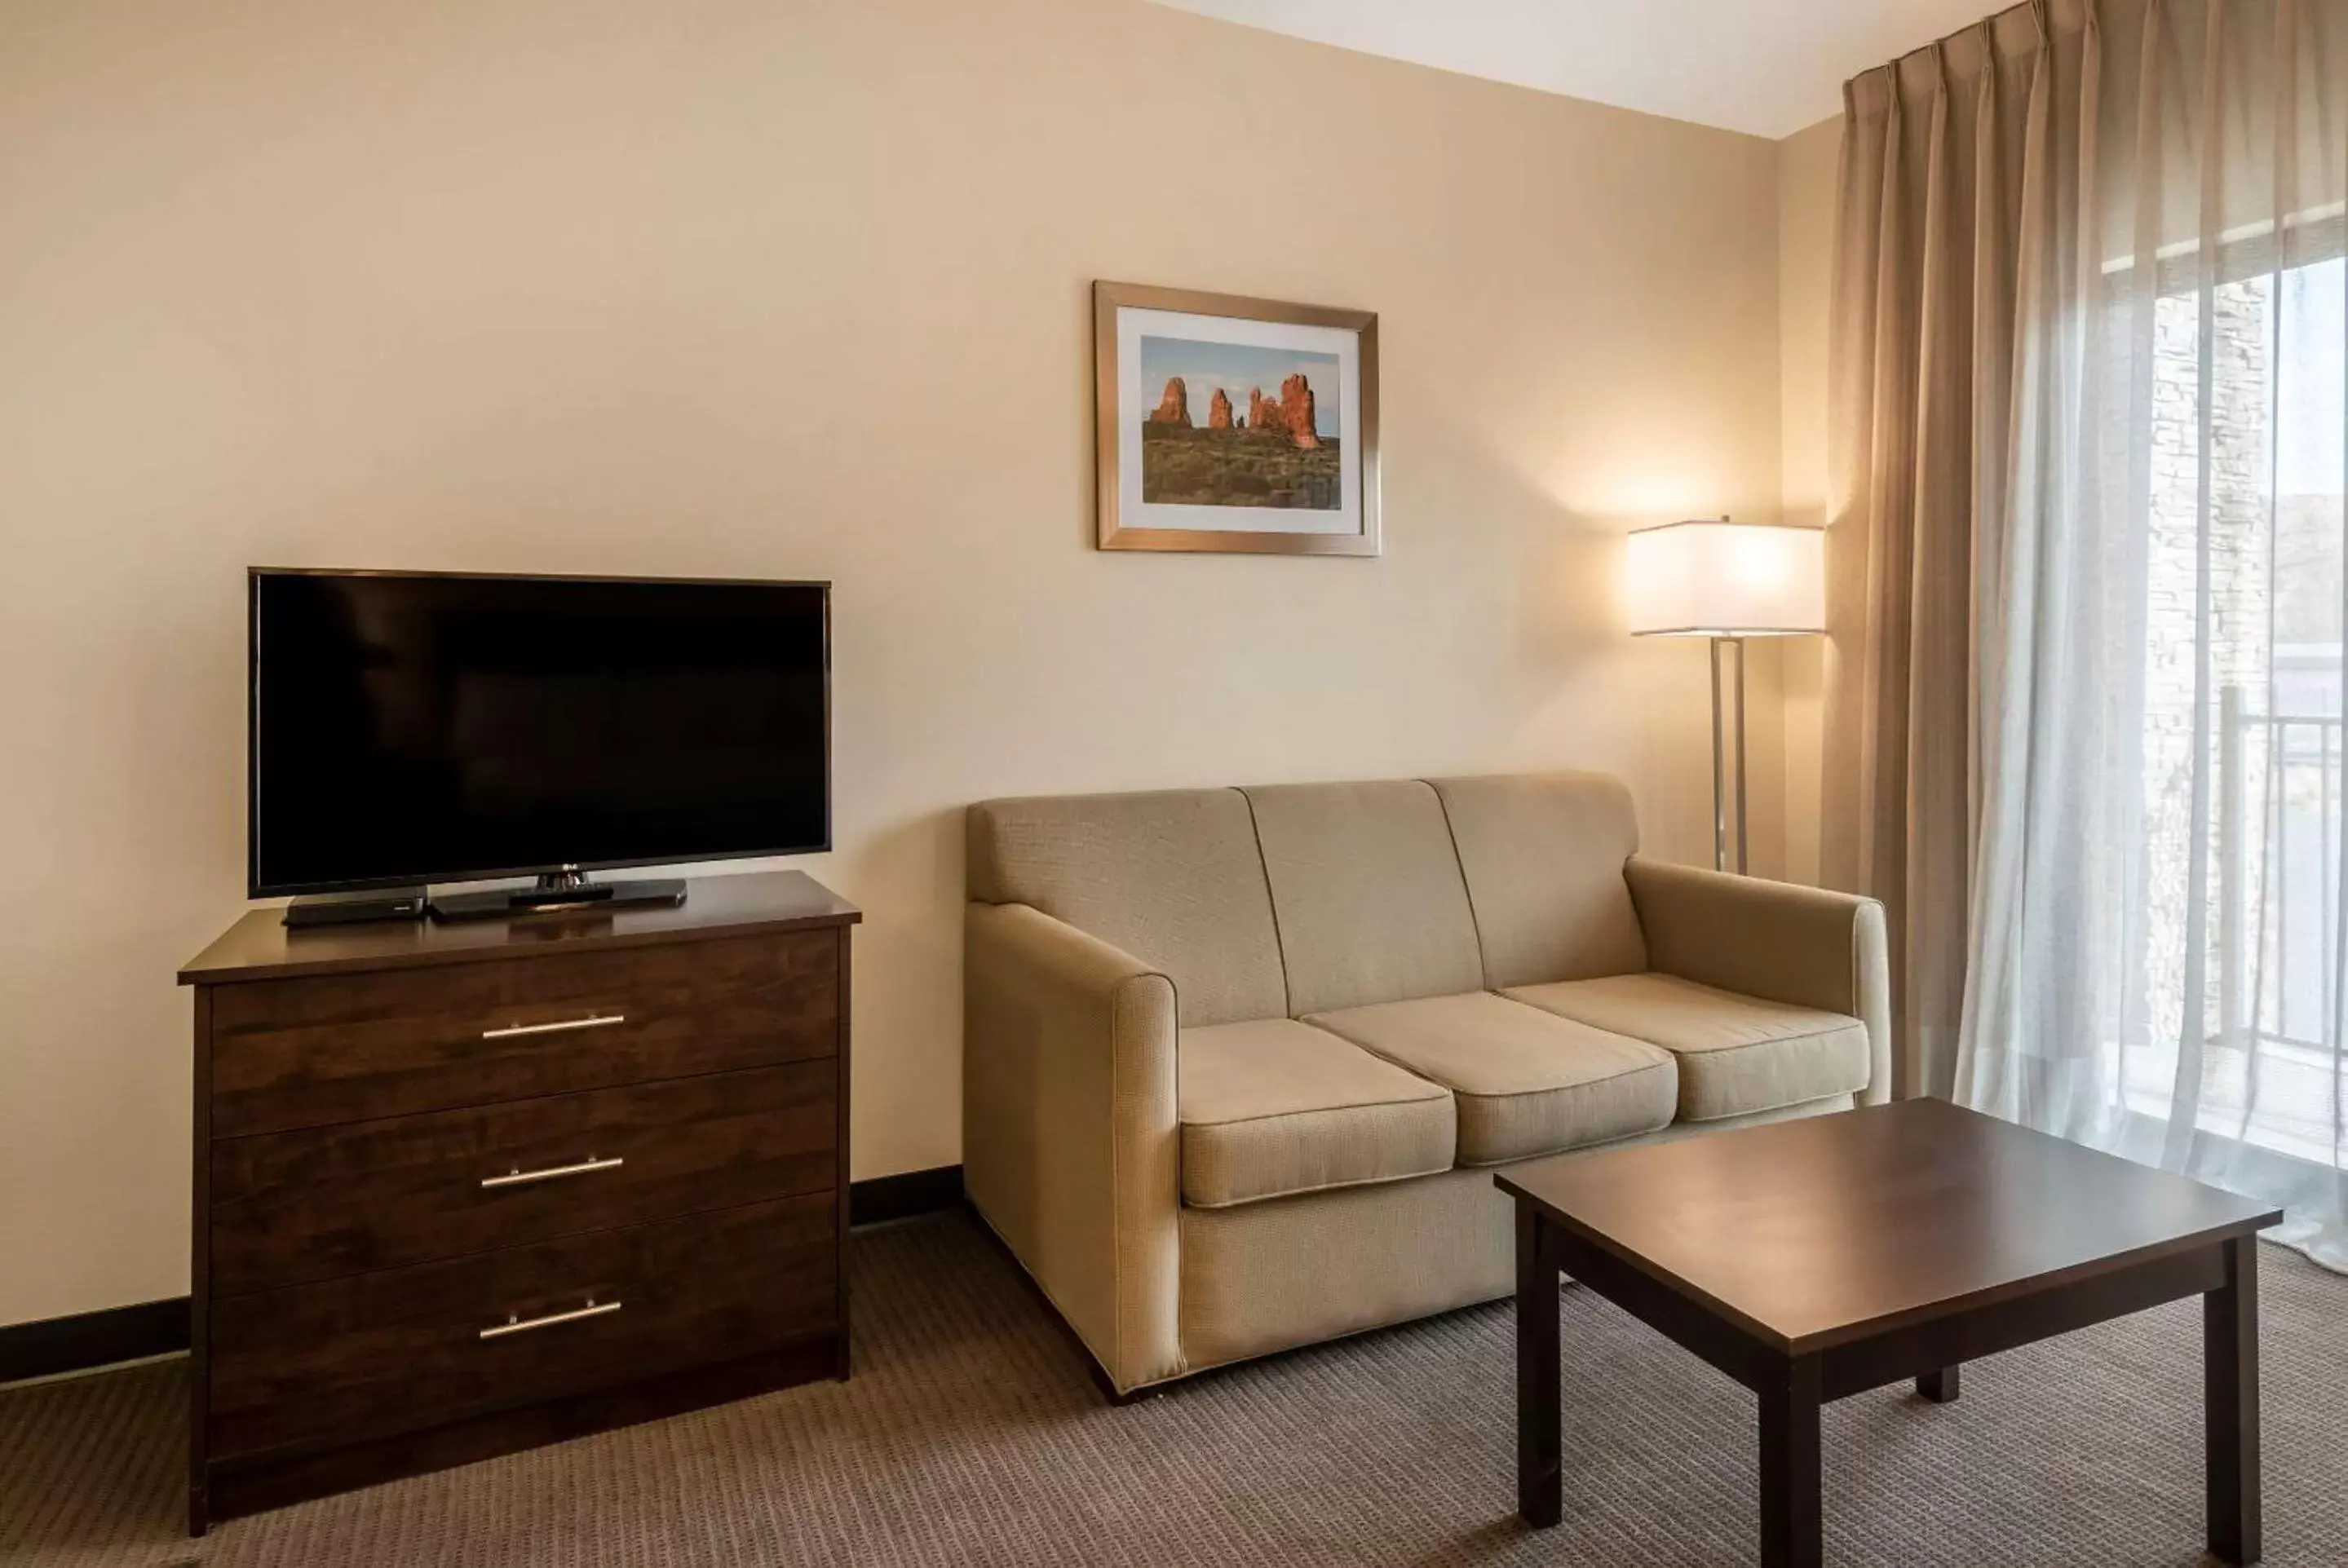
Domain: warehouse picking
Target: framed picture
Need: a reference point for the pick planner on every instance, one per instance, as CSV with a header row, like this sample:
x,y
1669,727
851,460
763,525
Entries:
x,y
1232,424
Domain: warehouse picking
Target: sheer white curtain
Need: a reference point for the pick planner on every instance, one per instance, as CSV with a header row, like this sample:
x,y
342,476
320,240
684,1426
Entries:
x,y
2087,713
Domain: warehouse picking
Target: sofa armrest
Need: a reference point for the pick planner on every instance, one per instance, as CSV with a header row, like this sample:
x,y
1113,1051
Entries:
x,y
1806,947
1071,1145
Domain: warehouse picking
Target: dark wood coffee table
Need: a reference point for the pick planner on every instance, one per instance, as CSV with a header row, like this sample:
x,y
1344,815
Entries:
x,y
1814,1259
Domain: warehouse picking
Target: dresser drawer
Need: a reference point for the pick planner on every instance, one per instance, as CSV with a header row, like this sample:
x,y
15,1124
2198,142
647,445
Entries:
x,y
411,1348
317,1050
289,1207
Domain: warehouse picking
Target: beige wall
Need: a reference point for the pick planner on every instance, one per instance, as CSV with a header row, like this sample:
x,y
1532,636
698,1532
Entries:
x,y
1808,165
1786,700
591,285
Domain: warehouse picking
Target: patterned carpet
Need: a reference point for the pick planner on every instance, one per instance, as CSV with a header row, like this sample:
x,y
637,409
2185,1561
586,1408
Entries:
x,y
970,1435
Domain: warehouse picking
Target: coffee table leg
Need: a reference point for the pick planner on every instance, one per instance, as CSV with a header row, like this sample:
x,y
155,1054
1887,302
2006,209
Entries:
x,y
1792,1531
1540,1485
2230,1355
1941,1387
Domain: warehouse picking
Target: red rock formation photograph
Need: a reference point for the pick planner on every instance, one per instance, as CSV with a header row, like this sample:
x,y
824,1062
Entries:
x,y
1282,453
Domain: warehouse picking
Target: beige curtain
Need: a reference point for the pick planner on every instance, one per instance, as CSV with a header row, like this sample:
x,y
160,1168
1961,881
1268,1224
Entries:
x,y
2089,358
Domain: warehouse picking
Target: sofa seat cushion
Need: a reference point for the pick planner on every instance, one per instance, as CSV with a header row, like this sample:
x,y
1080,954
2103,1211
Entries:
x,y
1737,1054
1527,1082
1275,1107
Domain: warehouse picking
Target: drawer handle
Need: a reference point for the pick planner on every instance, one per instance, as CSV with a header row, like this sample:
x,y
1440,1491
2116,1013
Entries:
x,y
513,1324
561,1025
519,1178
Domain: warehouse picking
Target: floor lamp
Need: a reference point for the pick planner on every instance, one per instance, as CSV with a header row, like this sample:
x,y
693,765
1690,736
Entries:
x,y
1728,582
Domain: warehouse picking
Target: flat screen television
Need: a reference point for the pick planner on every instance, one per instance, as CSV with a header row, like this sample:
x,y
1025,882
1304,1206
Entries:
x,y
412,727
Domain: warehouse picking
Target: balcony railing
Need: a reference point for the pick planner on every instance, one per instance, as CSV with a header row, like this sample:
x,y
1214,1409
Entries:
x,y
2286,909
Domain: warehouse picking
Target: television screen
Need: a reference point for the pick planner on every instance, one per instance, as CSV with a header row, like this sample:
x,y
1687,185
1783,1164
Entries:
x,y
426,728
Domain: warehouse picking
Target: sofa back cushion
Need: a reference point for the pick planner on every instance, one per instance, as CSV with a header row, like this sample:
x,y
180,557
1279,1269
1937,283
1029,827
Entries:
x,y
1171,876
1543,856
1368,895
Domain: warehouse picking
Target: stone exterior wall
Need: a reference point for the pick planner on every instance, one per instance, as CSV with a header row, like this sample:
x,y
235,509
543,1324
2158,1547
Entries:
x,y
2241,562
2276,577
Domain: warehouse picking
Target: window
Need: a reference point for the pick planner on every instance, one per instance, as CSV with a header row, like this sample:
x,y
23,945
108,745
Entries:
x,y
2260,506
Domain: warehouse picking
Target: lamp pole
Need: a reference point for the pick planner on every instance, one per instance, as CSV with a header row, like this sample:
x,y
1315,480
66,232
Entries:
x,y
1719,761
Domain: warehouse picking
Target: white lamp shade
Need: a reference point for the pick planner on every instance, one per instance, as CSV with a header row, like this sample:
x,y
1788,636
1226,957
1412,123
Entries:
x,y
1726,580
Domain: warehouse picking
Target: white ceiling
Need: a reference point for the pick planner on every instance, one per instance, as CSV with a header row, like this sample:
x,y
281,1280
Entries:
x,y
1769,67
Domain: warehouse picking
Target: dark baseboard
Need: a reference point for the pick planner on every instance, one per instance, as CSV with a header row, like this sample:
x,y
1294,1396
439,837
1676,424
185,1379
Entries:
x,y
93,1339
902,1196
101,1339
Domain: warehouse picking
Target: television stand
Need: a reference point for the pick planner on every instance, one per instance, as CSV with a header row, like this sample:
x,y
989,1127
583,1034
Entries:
x,y
557,892
434,1163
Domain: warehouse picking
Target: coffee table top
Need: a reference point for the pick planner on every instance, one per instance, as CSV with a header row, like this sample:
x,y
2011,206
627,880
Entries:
x,y
1813,1233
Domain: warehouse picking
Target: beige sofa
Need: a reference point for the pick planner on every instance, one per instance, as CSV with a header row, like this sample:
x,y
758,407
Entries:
x,y
1238,1064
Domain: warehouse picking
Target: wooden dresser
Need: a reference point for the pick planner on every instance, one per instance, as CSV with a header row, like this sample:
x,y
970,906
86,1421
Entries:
x,y
467,1188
